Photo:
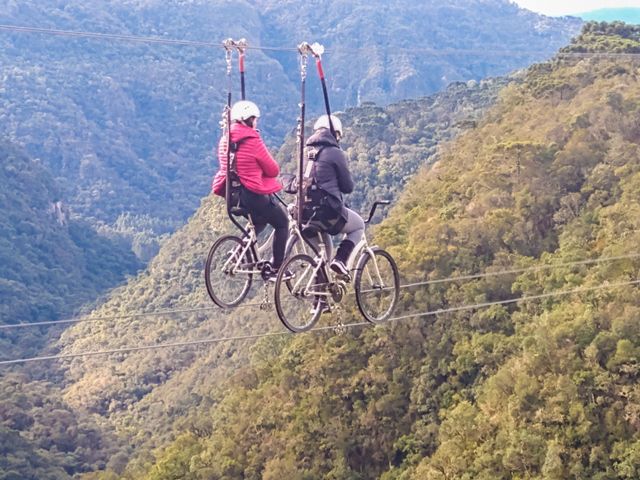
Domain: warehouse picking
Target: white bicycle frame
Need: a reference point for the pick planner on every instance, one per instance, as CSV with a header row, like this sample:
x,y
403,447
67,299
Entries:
x,y
321,260
261,249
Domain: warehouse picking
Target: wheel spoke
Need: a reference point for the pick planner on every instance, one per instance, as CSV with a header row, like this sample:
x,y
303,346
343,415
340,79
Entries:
x,y
295,298
226,277
377,286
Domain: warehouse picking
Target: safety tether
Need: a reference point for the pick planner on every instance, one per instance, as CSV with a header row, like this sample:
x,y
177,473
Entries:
x,y
229,45
303,49
317,50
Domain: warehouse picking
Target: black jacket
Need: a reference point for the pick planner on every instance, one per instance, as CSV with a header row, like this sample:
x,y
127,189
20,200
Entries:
x,y
331,172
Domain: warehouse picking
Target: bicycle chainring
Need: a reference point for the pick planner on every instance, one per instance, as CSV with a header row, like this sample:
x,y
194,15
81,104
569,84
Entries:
x,y
265,270
338,290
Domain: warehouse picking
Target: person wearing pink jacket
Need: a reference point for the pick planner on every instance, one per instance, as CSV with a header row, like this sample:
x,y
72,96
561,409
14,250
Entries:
x,y
258,173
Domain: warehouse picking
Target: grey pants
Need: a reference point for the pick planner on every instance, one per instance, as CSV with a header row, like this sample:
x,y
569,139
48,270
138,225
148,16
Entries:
x,y
353,230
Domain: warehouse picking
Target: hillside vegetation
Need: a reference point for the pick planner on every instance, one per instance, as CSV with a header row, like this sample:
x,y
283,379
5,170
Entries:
x,y
50,264
146,397
541,389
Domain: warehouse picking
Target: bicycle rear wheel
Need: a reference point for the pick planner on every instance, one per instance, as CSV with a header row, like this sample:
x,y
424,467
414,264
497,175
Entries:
x,y
295,297
226,275
377,285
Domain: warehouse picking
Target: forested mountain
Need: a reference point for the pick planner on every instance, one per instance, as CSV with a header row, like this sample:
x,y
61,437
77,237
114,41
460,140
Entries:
x,y
50,264
539,389
147,396
545,388
42,437
128,128
390,50
387,145
105,392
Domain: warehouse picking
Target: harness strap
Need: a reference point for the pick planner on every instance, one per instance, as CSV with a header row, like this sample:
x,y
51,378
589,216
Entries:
x,y
233,149
331,219
311,165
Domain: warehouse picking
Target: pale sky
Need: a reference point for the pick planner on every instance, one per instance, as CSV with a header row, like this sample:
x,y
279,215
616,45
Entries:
x,y
563,7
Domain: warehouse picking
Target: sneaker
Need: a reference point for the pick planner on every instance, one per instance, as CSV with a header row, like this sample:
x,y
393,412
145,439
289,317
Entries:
x,y
339,267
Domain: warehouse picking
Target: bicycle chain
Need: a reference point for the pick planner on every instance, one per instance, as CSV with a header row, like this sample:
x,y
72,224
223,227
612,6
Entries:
x,y
339,327
266,298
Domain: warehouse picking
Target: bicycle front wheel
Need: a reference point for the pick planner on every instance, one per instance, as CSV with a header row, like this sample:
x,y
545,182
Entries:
x,y
227,273
377,285
296,299
294,246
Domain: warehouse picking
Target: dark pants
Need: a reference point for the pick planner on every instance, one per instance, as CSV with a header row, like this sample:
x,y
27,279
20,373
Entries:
x,y
265,209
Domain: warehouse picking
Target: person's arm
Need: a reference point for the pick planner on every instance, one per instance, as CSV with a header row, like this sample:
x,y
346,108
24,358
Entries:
x,y
269,166
345,181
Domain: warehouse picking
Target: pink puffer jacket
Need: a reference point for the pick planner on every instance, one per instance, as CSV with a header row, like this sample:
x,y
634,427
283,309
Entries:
x,y
256,167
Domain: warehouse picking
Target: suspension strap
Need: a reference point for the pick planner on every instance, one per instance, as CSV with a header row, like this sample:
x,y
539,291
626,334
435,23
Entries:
x,y
241,46
303,50
228,45
317,50
226,120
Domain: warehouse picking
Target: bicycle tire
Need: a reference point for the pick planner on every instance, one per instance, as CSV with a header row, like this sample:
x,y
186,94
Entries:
x,y
365,284
291,297
223,288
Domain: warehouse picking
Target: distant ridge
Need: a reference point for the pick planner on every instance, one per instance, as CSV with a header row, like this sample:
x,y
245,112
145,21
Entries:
x,y
627,15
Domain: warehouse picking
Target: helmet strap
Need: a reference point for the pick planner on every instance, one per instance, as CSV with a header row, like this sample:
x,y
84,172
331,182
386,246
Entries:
x,y
249,122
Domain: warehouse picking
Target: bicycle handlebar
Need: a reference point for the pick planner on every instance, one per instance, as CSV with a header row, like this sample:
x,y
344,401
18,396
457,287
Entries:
x,y
371,212
374,206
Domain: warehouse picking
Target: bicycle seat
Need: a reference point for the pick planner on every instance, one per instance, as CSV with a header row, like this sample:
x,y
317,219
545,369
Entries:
x,y
311,230
239,211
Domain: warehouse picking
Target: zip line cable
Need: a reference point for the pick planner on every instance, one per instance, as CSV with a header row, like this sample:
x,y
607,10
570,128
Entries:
x,y
208,341
123,316
203,44
128,38
519,299
536,268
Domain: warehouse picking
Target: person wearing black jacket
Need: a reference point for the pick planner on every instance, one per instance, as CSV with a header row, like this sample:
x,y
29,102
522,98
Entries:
x,y
330,179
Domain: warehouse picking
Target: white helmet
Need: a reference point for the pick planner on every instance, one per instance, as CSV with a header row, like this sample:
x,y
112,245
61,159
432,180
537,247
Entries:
x,y
243,110
323,122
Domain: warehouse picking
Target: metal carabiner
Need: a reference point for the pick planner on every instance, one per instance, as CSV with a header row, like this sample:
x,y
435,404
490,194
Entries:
x,y
224,121
228,45
241,45
316,50
304,50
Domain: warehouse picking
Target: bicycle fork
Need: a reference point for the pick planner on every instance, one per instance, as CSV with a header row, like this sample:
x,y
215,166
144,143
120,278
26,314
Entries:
x,y
380,282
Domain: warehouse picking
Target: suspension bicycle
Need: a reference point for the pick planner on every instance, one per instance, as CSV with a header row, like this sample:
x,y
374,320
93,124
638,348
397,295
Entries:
x,y
311,286
234,261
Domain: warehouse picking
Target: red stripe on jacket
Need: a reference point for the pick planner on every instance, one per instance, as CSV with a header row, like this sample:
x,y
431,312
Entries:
x,y
256,167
